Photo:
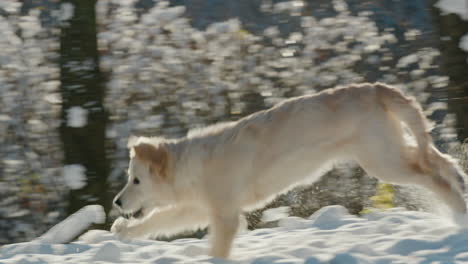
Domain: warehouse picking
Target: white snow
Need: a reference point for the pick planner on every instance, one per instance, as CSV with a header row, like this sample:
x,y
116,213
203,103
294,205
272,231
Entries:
x,y
275,214
331,235
407,60
464,43
459,7
67,11
10,6
74,176
77,116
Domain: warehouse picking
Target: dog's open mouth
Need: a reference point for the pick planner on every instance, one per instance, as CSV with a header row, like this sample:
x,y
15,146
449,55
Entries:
x,y
136,214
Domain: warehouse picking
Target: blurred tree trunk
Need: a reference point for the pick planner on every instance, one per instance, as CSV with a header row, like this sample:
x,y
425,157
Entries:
x,y
83,86
451,29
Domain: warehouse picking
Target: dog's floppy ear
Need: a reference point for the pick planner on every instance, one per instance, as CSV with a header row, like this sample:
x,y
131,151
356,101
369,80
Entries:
x,y
157,157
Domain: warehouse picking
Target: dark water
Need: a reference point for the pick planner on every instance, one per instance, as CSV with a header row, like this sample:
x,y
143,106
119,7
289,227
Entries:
x,y
85,86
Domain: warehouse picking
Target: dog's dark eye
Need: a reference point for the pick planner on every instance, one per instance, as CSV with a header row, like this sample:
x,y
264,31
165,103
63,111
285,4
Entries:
x,y
136,181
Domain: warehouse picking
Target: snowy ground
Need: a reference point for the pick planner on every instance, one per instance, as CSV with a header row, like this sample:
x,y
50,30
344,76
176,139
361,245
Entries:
x,y
331,235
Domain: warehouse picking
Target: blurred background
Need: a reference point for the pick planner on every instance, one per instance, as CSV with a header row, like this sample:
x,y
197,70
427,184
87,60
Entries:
x,y
78,77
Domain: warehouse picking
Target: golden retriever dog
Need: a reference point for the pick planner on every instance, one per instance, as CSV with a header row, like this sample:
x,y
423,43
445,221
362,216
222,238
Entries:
x,y
215,173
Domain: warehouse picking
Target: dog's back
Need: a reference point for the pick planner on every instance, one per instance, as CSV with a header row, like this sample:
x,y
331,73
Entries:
x,y
273,150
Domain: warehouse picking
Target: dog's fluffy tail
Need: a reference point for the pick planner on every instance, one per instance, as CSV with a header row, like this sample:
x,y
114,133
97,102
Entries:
x,y
445,175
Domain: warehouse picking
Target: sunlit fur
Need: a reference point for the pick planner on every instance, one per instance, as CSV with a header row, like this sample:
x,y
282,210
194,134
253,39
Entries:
x,y
215,173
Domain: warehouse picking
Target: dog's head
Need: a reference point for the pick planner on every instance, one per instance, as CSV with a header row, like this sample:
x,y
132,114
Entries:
x,y
149,182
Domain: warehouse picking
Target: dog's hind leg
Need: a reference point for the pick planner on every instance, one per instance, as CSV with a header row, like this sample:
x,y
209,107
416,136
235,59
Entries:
x,y
399,171
383,154
448,175
223,228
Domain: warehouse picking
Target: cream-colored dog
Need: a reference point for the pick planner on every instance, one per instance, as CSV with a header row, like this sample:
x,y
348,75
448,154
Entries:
x,y
212,175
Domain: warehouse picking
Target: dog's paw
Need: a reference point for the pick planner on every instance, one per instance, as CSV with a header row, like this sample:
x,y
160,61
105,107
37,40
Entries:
x,y
128,229
119,226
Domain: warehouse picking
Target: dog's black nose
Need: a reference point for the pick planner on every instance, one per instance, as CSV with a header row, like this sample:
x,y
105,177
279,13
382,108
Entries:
x,y
118,202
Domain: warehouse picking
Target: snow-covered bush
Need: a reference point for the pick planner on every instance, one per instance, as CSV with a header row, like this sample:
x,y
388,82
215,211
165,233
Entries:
x,y
29,120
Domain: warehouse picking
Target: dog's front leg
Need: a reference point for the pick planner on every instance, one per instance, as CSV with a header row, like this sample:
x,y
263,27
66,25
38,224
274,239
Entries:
x,y
167,221
224,228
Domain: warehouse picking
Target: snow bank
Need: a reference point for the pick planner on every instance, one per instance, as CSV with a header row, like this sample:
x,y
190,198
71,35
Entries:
x,y
73,225
331,235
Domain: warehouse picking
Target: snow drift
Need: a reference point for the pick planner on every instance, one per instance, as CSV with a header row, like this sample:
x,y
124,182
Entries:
x,y
331,235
